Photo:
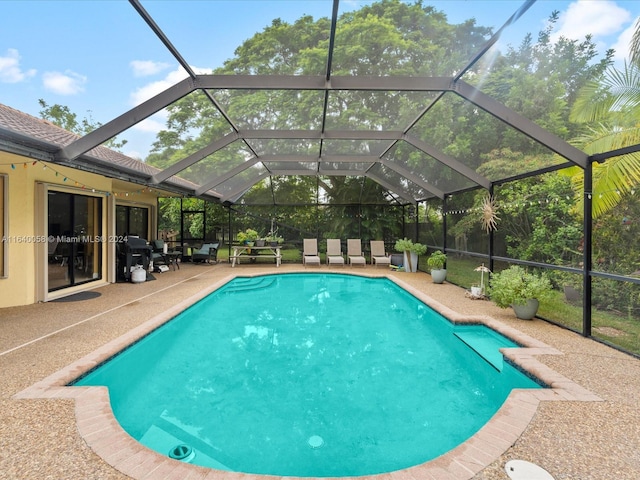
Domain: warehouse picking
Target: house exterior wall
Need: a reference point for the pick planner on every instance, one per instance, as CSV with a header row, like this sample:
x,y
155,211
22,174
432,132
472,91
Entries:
x,y
27,182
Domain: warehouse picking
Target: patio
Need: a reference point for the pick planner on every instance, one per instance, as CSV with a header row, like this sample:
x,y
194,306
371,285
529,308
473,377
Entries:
x,y
570,439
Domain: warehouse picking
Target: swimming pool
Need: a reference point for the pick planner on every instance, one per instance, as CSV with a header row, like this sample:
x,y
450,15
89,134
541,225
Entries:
x,y
339,392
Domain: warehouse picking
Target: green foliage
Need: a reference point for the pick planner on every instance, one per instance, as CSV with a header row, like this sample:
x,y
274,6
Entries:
x,y
248,235
62,116
537,220
436,260
515,286
407,245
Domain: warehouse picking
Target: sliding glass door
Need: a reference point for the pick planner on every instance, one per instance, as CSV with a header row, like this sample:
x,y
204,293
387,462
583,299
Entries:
x,y
75,236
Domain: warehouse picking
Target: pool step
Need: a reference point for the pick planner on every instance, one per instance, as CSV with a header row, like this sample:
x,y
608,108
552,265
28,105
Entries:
x,y
166,434
486,343
248,284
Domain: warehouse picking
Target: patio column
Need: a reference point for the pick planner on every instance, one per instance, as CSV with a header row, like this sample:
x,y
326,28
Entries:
x,y
587,251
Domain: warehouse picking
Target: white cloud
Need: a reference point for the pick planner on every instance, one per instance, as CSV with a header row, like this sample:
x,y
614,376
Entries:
x,y
152,124
157,122
586,17
144,68
623,43
152,89
67,83
10,71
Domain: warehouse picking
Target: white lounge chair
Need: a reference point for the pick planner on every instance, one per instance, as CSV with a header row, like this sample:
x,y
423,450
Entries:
x,y
310,252
378,254
334,252
354,252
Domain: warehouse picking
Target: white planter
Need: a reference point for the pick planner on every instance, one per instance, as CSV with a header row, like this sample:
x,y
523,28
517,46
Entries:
x,y
526,311
438,275
476,291
410,262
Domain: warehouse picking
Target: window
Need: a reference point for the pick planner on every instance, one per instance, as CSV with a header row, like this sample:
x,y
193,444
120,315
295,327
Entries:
x,y
132,221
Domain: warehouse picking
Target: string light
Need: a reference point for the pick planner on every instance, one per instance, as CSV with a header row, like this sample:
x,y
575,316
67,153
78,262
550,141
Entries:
x,y
76,182
57,174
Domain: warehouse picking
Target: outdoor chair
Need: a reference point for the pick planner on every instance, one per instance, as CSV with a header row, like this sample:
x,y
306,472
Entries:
x,y
158,256
207,253
378,254
354,252
310,252
334,252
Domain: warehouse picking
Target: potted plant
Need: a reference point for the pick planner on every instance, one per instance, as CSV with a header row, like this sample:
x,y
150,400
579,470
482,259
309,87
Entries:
x,y
411,252
248,236
477,290
519,289
273,240
436,263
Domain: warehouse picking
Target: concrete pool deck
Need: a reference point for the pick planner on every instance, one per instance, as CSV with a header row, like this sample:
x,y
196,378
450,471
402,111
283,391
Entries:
x,y
54,432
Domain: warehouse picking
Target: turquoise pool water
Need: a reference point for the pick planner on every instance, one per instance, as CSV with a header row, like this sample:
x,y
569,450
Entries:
x,y
309,375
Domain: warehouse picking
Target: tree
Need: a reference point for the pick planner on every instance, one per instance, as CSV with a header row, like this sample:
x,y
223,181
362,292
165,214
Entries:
x,y
609,108
390,37
63,117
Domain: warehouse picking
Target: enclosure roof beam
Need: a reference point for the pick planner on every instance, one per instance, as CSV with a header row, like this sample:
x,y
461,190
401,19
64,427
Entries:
x,y
320,82
324,159
240,189
340,173
214,182
194,158
392,188
413,178
449,161
298,172
126,120
520,123
318,135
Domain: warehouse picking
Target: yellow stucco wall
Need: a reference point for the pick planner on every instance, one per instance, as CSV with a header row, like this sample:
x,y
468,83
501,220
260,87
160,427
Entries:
x,y
25,218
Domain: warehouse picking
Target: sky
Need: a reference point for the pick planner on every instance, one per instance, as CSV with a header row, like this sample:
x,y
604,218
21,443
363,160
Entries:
x,y
101,59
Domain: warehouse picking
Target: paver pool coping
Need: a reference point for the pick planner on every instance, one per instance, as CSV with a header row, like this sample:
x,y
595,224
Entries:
x,y
104,435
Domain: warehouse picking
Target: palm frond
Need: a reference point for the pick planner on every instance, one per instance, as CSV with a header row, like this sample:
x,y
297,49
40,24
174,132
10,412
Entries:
x,y
634,47
617,91
611,179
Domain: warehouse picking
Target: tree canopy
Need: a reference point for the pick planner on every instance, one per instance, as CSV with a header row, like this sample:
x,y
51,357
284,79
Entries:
x,y
540,80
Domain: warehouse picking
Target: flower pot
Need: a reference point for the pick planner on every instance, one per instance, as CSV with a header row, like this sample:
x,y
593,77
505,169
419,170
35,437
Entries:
x,y
526,311
438,275
259,243
476,291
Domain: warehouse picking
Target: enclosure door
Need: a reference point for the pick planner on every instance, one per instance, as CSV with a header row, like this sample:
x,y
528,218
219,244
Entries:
x,y
75,236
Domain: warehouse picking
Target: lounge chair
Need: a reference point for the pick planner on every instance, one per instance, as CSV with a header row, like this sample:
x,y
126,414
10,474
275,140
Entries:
x,y
208,253
334,252
310,253
378,254
354,252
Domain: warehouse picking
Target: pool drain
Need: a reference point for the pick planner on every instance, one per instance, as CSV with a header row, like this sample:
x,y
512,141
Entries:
x,y
182,452
315,441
